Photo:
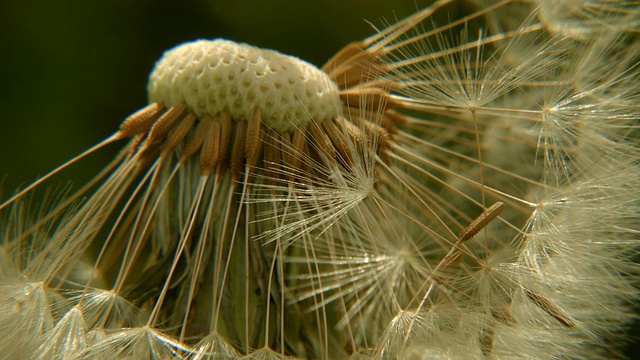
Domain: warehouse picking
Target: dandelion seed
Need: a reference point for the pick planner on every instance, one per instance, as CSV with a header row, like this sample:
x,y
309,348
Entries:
x,y
267,208
481,222
549,308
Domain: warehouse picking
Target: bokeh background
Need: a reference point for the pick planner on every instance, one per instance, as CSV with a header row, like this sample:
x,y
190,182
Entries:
x,y
72,70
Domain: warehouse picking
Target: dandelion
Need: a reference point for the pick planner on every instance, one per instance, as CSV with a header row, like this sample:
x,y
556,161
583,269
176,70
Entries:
x,y
458,190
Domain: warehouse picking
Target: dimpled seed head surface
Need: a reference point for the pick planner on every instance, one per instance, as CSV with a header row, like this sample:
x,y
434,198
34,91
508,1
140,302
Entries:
x,y
220,75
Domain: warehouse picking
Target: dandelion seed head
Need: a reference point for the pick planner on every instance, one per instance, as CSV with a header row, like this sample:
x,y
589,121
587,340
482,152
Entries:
x,y
457,190
220,75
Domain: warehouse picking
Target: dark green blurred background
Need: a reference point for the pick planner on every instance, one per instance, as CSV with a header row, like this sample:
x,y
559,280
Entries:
x,y
70,71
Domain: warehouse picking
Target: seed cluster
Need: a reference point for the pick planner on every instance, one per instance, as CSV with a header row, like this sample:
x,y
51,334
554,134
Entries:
x,y
410,199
